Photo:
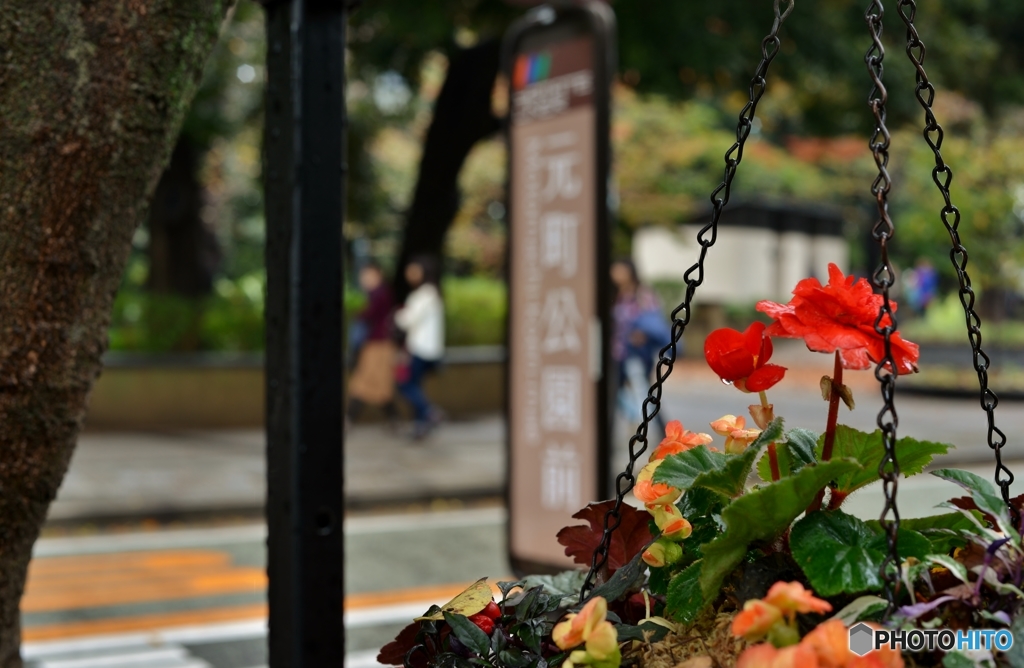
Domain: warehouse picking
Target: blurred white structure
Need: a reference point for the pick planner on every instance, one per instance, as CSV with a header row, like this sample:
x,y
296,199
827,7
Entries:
x,y
761,252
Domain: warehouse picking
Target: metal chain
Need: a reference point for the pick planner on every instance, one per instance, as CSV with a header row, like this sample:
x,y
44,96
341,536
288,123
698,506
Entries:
x,y
885,324
693,277
943,176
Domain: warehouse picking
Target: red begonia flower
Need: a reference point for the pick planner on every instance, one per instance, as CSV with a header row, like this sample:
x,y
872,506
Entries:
x,y
839,316
740,358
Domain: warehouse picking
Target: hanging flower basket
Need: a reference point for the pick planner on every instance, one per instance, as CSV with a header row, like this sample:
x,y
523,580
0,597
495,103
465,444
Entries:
x,y
705,571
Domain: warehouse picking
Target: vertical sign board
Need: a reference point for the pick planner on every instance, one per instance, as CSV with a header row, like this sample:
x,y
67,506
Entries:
x,y
557,62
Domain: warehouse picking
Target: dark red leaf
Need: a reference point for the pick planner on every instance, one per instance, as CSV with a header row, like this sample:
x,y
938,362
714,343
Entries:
x,y
393,654
632,536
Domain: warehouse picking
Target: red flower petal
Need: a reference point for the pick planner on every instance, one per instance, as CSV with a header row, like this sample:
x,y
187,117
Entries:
x,y
753,338
838,316
765,377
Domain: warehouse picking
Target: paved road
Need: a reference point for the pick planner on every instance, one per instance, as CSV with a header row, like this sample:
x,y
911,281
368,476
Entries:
x,y
195,598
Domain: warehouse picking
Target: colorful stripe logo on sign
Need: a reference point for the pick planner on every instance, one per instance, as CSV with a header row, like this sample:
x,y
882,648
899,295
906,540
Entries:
x,y
531,68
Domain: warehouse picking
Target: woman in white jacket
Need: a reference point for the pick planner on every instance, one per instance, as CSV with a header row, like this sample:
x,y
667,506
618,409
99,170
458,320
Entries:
x,y
422,320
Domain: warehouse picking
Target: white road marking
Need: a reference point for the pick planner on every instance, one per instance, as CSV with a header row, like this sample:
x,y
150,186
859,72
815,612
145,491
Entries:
x,y
257,533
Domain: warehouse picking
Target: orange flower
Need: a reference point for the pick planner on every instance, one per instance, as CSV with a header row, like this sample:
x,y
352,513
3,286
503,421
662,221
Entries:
x,y
737,437
671,522
791,598
678,440
577,627
839,316
766,656
756,619
651,493
830,641
590,628
662,553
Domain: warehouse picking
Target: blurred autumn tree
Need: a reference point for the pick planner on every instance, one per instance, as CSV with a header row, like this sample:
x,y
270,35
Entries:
x,y
687,65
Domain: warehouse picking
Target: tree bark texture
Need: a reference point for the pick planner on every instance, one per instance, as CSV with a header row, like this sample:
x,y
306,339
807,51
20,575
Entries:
x,y
183,251
92,93
462,117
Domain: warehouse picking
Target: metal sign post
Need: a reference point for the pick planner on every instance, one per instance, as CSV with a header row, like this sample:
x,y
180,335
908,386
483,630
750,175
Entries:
x,y
303,184
558,61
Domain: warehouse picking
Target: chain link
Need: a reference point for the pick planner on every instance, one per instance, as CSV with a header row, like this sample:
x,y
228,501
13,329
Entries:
x,y
883,279
693,277
943,176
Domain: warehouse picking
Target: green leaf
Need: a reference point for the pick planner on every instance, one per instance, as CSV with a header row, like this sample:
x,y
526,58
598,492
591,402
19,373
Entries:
x,y
724,474
801,444
565,585
1015,655
842,554
868,607
955,659
943,531
984,494
796,452
684,601
468,633
762,514
623,580
731,479
680,470
770,435
645,632
513,657
867,449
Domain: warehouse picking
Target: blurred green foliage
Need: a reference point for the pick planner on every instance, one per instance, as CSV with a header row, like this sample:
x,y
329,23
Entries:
x,y
684,69
475,310
231,319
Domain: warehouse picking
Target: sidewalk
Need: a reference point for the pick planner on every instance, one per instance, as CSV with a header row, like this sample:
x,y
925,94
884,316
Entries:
x,y
162,474
117,475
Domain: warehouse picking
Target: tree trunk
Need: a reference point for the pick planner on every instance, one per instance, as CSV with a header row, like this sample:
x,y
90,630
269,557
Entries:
x,y
183,251
462,117
92,93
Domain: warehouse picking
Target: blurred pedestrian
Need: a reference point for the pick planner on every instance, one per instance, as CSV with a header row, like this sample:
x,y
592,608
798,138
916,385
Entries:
x,y
422,320
641,331
373,378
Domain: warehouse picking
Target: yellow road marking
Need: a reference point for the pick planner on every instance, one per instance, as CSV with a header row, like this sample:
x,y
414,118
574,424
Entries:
x,y
92,581
144,622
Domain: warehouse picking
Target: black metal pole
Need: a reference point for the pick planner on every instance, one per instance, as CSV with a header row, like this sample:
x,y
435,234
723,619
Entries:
x,y
304,174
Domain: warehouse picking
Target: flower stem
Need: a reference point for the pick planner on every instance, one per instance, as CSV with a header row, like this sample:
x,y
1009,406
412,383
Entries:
x,y
833,410
830,426
773,457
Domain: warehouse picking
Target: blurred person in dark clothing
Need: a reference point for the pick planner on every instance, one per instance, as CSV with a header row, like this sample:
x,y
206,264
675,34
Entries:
x,y
373,378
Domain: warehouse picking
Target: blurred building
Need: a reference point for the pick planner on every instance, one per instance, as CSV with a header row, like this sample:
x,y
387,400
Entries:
x,y
762,250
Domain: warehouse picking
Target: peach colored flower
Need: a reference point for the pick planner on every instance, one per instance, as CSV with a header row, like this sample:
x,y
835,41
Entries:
x,y
791,598
678,440
737,436
662,553
671,522
577,627
589,628
756,619
651,493
766,656
831,642
603,641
